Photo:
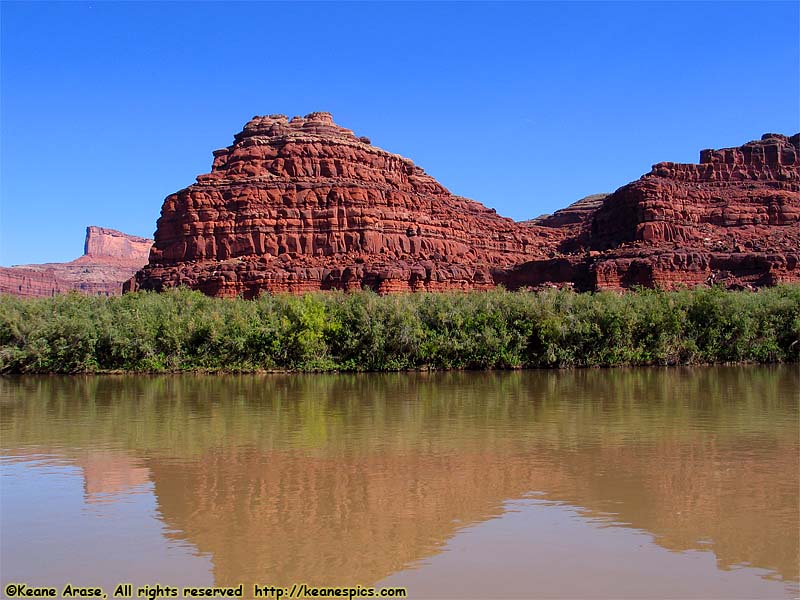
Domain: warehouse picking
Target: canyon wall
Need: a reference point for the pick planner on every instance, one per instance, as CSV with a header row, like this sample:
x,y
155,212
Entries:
x,y
112,246
733,219
304,204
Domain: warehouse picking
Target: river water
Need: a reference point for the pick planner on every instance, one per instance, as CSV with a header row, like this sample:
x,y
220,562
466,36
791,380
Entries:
x,y
624,483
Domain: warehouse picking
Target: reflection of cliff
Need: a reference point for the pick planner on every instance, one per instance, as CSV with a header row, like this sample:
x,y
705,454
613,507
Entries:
x,y
345,479
738,502
110,473
340,520
359,518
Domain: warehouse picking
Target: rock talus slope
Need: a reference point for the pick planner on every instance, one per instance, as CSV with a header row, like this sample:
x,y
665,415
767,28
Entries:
x,y
304,204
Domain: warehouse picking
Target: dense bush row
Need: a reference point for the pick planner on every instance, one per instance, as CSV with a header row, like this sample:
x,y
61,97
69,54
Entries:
x,y
184,330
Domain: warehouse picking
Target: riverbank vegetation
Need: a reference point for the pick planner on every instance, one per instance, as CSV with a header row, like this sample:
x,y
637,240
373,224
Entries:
x,y
183,330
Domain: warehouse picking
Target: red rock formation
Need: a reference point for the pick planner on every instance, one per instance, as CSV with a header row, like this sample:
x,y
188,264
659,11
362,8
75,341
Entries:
x,y
734,196
110,258
110,246
572,221
732,219
576,213
303,204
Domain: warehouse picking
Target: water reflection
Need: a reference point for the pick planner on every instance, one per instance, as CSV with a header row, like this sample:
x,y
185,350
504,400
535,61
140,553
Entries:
x,y
343,479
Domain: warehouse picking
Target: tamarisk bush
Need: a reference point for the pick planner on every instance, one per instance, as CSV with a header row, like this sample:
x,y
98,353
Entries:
x,y
182,330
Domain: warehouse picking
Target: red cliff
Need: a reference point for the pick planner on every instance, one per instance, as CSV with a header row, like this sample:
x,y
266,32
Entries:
x,y
734,219
304,204
734,196
110,258
109,246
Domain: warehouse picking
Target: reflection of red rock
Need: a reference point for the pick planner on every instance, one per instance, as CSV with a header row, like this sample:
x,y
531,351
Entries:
x,y
344,479
110,257
304,204
111,473
294,516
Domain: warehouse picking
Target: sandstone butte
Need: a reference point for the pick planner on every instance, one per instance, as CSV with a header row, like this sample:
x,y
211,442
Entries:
x,y
109,259
304,204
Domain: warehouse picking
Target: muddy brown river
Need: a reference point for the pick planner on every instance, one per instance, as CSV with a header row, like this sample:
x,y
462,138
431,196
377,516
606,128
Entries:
x,y
624,483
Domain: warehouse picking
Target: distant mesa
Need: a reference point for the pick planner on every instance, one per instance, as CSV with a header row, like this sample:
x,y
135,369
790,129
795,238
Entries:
x,y
112,246
110,258
302,204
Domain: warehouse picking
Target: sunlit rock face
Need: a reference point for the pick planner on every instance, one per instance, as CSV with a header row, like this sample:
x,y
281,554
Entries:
x,y
734,219
734,197
110,258
303,204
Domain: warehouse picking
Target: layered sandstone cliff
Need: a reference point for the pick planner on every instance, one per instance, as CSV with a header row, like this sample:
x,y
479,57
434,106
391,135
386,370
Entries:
x,y
745,196
110,258
109,246
734,219
304,204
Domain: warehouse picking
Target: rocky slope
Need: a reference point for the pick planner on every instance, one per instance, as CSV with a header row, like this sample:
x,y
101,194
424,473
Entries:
x,y
304,204
576,213
572,221
110,258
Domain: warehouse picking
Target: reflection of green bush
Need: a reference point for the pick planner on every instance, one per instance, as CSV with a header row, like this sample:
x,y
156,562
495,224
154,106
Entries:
x,y
184,330
503,411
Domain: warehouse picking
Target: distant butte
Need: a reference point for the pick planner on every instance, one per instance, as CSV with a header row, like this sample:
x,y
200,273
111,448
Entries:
x,y
110,258
304,204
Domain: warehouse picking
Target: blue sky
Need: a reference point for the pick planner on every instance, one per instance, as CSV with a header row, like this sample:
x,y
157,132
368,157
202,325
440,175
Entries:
x,y
106,108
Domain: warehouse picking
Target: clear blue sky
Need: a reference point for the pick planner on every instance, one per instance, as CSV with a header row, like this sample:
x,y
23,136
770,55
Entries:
x,y
526,107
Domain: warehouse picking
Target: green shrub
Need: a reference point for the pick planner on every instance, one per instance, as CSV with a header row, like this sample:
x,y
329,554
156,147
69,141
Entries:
x,y
185,330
